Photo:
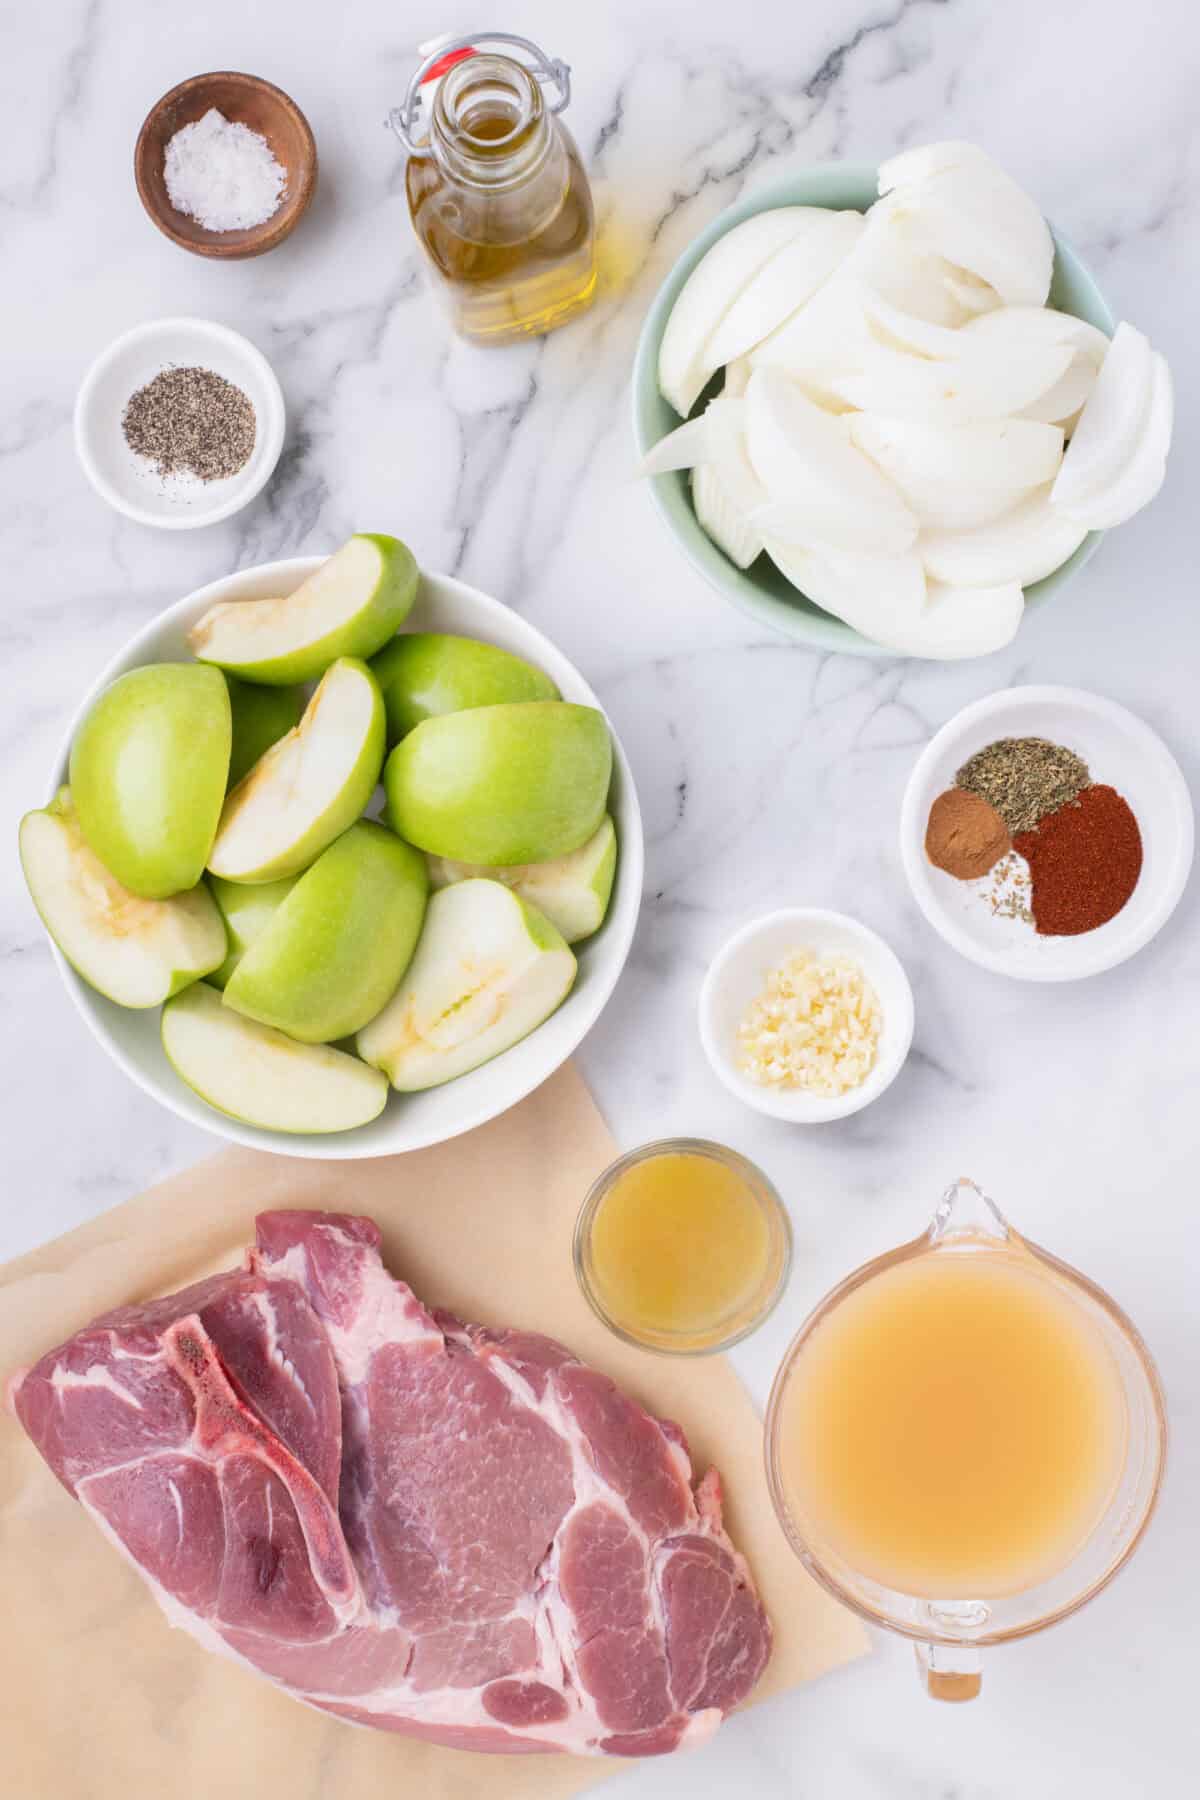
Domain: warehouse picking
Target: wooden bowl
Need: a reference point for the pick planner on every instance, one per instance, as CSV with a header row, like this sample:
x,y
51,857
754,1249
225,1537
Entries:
x,y
243,100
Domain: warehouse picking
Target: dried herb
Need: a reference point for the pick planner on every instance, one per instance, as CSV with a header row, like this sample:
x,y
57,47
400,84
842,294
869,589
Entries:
x,y
1024,779
191,420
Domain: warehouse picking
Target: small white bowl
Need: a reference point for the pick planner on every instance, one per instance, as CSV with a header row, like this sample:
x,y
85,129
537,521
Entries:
x,y
1121,752
127,481
408,1121
738,974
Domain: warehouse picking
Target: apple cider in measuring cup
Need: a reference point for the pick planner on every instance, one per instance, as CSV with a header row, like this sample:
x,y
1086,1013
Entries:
x,y
498,195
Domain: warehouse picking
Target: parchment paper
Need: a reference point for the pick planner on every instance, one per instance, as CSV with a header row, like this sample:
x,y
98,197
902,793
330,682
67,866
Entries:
x,y
100,1699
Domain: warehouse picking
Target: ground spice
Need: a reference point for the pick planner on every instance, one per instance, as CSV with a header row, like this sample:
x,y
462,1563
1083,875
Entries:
x,y
191,420
965,836
1024,779
1084,860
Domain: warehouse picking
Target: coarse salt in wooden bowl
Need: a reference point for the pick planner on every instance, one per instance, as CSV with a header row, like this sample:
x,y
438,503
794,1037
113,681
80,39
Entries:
x,y
242,100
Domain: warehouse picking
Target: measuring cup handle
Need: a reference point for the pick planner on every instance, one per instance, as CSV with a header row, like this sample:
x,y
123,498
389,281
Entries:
x,y
949,1671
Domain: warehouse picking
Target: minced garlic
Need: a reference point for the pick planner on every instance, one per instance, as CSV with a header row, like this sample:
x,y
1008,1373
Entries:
x,y
814,1026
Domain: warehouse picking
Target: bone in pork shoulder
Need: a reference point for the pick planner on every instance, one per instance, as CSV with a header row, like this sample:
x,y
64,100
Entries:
x,y
435,1528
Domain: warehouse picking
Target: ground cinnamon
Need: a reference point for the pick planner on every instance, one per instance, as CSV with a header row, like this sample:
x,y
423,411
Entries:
x,y
965,836
1085,861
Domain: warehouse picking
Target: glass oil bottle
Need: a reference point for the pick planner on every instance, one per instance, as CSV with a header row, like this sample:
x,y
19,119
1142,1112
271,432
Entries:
x,y
498,195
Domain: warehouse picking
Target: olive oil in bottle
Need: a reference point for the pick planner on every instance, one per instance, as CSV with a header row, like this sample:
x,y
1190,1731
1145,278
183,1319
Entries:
x,y
500,202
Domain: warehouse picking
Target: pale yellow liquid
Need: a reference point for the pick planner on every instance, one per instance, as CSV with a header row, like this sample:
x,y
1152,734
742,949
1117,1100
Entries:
x,y
521,282
681,1244
954,1428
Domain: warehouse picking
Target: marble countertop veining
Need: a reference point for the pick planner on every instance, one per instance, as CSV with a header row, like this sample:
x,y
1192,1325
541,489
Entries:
x,y
768,774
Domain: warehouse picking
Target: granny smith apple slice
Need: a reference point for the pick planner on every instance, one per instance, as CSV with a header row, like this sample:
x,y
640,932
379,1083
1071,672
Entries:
x,y
258,1075
350,607
425,673
137,952
148,772
261,716
488,969
573,891
247,911
332,954
523,782
309,786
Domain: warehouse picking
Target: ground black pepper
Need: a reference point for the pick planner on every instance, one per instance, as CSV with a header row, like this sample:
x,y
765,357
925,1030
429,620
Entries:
x,y
192,421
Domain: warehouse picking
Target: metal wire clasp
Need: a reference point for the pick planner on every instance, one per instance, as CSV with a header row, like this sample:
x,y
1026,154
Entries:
x,y
404,119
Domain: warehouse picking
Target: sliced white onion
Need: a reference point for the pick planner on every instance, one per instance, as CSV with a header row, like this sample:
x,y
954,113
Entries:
x,y
804,457
1111,423
737,374
783,283
827,337
891,259
895,607
1061,404
972,386
1023,545
1142,476
924,160
723,521
1025,327
728,458
682,448
973,295
977,217
962,622
881,596
957,476
908,331
708,293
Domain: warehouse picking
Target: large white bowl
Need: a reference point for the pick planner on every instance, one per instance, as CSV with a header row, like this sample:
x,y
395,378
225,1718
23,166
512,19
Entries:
x,y
410,1121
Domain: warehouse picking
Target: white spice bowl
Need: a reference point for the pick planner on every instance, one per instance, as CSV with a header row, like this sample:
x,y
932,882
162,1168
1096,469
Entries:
x,y
129,482
737,975
1121,751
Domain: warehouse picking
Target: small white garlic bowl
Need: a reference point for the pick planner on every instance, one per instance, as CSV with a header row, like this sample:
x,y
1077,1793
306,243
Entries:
x,y
737,975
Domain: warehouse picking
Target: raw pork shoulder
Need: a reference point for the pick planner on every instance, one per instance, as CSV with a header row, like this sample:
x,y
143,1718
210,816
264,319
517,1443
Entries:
x,y
463,1534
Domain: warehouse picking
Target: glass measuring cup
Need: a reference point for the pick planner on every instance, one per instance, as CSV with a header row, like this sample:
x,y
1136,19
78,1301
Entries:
x,y
949,1629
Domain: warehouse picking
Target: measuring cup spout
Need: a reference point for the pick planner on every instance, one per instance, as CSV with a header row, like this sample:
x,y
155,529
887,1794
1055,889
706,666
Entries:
x,y
965,1210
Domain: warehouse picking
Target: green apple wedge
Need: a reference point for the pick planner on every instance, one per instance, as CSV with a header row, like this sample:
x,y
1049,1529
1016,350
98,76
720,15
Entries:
x,y
333,953
425,673
573,891
349,607
488,969
261,1076
523,782
247,911
136,952
148,772
310,786
261,716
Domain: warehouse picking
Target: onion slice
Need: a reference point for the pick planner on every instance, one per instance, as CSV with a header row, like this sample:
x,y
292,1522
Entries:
x,y
1023,545
1111,423
803,456
783,284
708,293
1142,476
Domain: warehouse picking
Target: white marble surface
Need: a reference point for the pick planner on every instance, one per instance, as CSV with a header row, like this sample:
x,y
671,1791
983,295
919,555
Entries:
x,y
767,774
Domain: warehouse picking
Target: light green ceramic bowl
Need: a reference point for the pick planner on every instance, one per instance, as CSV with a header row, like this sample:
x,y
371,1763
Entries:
x,y
761,590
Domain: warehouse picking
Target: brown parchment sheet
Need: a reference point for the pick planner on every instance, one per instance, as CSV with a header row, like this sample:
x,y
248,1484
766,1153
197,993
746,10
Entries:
x,y
100,1698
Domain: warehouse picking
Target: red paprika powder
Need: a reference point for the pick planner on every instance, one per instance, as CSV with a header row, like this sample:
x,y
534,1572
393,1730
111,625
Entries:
x,y
1084,861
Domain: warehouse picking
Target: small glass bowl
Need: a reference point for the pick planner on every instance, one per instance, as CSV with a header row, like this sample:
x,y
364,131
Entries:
x,y
750,1312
